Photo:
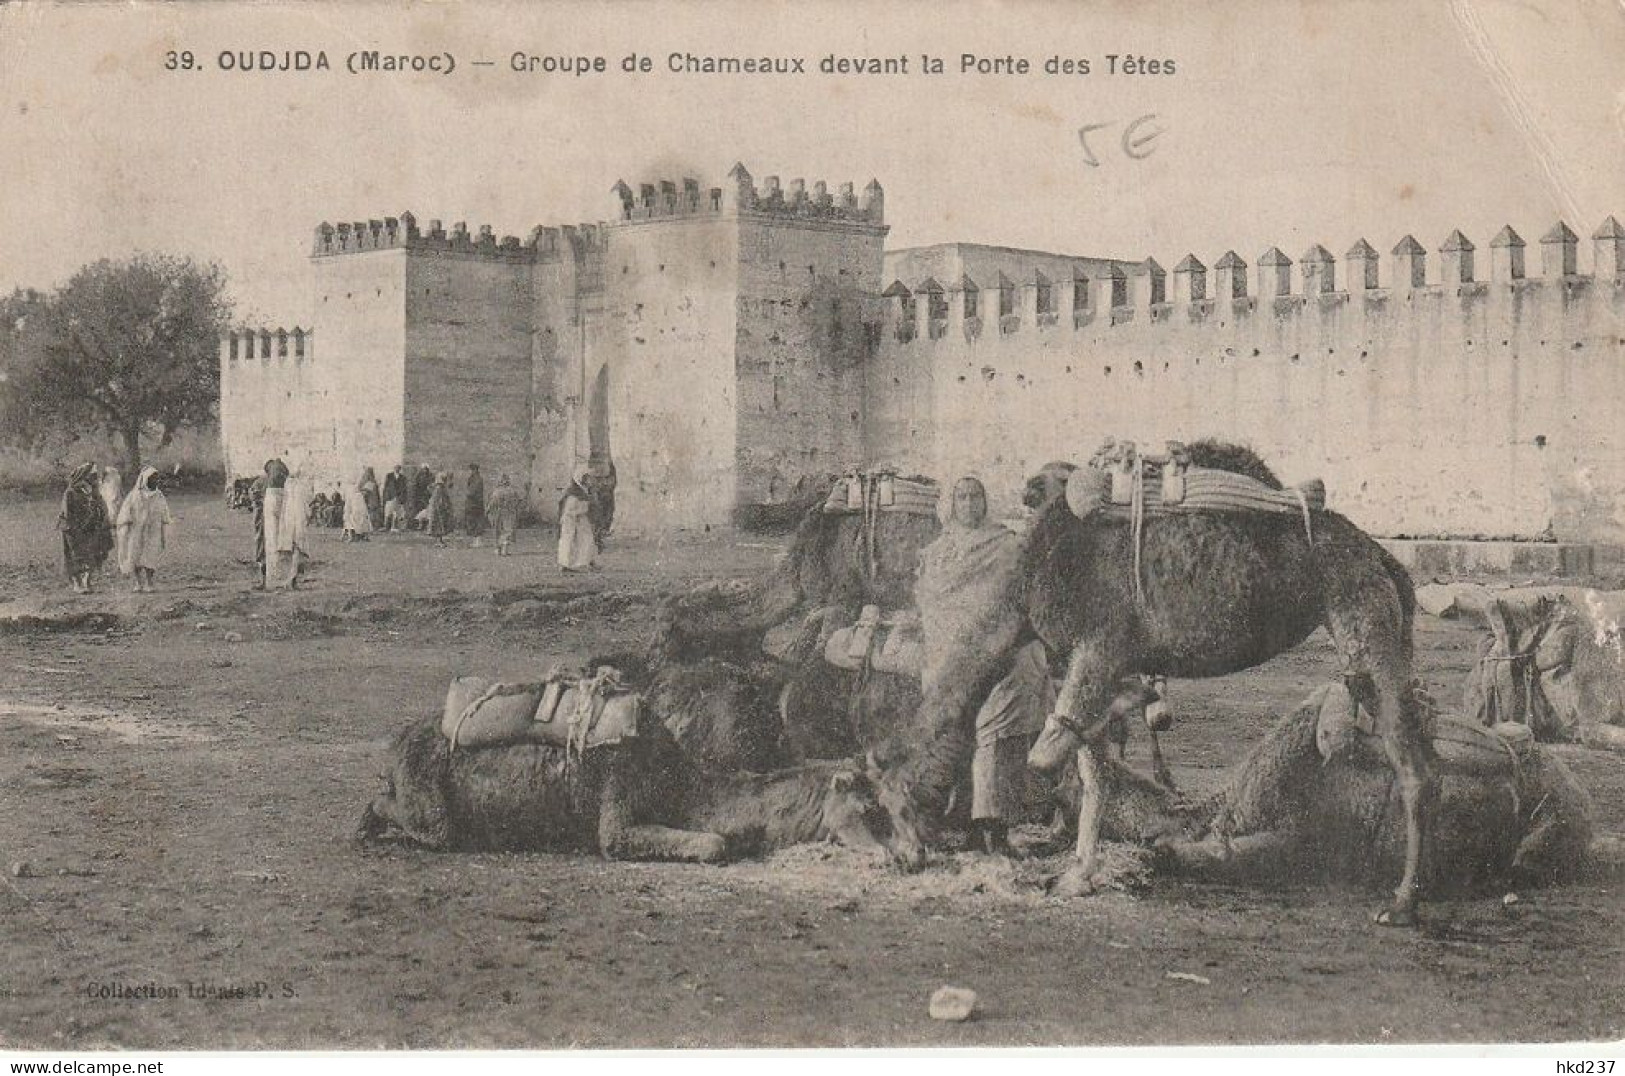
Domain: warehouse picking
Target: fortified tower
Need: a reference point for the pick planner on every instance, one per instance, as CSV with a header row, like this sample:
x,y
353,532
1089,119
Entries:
x,y
729,346
426,357
426,344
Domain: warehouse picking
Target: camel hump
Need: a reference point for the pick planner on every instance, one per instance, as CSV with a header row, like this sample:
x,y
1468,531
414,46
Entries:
x,y
1217,455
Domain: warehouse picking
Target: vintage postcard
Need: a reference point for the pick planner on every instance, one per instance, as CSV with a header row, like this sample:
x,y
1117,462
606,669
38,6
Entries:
x,y
970,523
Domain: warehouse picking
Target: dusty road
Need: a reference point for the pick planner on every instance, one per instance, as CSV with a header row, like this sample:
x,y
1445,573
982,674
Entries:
x,y
180,774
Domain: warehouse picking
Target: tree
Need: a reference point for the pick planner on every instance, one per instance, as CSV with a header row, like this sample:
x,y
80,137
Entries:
x,y
22,315
128,347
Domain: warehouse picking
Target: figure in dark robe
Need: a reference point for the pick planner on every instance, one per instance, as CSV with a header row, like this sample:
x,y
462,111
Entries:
x,y
474,502
601,503
395,497
87,532
440,521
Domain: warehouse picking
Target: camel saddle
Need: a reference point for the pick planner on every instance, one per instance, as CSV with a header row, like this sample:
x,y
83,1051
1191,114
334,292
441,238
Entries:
x,y
1124,480
574,712
867,492
886,644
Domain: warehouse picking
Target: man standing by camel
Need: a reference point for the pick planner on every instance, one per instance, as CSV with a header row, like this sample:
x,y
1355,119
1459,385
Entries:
x,y
956,569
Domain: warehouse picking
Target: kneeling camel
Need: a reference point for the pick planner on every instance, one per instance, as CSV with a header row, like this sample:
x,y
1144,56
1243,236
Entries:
x,y
639,799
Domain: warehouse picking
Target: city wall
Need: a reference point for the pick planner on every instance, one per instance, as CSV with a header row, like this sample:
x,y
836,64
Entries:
x,y
734,326
724,345
659,365
267,378
1456,394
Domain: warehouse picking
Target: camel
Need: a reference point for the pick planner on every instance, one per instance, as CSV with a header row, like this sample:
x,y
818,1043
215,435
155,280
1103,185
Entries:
x,y
1552,663
1221,592
1312,800
640,799
836,565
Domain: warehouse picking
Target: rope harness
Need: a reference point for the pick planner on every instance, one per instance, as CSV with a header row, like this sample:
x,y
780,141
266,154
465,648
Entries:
x,y
869,494
1508,676
591,695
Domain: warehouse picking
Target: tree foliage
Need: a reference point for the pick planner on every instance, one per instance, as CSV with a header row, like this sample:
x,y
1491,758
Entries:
x,y
128,347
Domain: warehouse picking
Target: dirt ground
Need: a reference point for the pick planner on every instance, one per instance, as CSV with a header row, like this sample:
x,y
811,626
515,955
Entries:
x,y
180,774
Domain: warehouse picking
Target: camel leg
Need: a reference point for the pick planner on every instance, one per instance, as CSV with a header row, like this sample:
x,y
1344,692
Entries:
x,y
1159,765
1082,701
621,837
1409,754
1078,879
1117,734
643,842
1256,855
1374,640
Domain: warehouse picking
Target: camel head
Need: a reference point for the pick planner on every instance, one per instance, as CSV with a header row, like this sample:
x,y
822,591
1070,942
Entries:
x,y
909,836
1047,486
1064,734
853,815
1538,642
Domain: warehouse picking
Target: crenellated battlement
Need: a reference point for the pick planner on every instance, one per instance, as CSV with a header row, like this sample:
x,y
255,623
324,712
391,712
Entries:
x,y
1449,384
665,199
403,233
268,345
1004,305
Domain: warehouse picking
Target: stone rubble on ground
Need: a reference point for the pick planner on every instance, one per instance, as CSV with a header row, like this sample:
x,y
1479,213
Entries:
x,y
953,1003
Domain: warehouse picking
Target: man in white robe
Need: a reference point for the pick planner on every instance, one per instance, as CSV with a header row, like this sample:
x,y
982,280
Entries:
x,y
577,549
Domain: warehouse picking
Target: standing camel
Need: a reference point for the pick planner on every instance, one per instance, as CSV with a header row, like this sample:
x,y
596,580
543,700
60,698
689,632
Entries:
x,y
1220,592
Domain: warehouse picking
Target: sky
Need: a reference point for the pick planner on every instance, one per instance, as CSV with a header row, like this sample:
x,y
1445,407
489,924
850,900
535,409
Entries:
x,y
1285,123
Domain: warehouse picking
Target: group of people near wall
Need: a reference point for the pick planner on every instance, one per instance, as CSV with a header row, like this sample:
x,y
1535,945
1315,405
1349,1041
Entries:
x,y
425,501
422,500
98,518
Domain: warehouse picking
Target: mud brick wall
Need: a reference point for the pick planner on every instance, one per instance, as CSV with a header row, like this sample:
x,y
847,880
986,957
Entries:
x,y
722,344
1436,395
665,341
807,298
361,301
561,312
267,380
468,363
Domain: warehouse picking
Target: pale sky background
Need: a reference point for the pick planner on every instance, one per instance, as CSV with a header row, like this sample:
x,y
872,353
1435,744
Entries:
x,y
1288,123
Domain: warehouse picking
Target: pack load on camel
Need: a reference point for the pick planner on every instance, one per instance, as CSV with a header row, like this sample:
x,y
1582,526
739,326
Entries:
x,y
583,763
891,644
1314,799
1124,481
857,545
1553,662
1123,478
562,710
1182,594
